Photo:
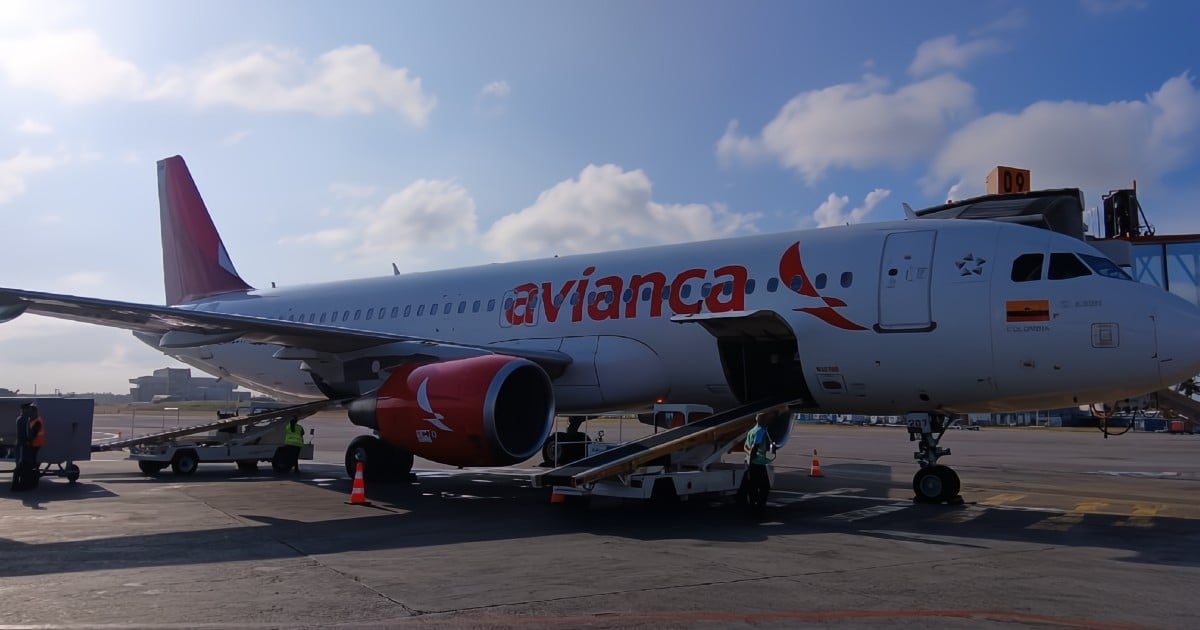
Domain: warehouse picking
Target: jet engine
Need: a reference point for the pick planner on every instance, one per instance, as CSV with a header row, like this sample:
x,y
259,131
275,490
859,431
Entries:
x,y
489,410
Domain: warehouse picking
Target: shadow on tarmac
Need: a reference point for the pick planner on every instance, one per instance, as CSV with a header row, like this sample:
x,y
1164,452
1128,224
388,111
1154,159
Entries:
x,y
467,506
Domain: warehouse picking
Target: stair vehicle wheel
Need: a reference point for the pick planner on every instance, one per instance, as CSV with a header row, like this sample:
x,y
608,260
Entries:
x,y
185,463
151,468
936,484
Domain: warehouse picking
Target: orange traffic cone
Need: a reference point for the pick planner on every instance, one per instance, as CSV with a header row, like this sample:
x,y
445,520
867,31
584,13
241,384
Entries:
x,y
815,471
358,492
557,498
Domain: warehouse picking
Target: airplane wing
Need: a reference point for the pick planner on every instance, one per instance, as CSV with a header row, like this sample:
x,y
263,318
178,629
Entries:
x,y
183,327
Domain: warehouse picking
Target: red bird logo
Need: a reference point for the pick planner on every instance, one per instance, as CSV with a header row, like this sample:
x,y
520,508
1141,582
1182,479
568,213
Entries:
x,y
791,267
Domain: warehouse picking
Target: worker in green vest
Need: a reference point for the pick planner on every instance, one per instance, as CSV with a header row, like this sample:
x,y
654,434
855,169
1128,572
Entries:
x,y
293,440
756,484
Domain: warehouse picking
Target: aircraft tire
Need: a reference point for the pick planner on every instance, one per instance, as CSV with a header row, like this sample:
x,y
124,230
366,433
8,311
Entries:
x,y
936,484
185,462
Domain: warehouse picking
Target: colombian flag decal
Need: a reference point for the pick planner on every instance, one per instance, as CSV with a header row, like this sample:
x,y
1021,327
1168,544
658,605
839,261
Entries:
x,y
1028,310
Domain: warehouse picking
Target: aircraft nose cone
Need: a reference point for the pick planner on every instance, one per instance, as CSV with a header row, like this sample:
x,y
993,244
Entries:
x,y
1178,331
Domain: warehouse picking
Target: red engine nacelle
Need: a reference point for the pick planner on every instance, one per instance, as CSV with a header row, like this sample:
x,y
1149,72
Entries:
x,y
490,410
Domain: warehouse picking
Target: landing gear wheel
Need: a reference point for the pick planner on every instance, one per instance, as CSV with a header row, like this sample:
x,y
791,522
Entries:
x,y
151,468
383,462
564,448
247,465
936,484
185,463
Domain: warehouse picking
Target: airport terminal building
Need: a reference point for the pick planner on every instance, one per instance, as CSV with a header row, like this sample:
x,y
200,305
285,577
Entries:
x,y
179,384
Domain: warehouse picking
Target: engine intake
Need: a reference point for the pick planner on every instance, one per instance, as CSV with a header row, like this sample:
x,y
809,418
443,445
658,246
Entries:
x,y
490,410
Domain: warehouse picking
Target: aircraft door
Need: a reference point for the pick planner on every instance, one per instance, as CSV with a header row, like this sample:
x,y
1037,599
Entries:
x,y
904,279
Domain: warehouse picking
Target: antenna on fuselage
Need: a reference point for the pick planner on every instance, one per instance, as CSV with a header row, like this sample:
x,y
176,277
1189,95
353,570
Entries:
x,y
395,270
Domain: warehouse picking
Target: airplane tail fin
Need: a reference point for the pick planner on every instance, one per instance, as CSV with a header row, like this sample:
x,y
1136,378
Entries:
x,y
195,263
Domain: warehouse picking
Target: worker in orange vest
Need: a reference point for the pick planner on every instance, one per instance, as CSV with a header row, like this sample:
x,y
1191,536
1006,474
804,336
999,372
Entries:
x,y
37,433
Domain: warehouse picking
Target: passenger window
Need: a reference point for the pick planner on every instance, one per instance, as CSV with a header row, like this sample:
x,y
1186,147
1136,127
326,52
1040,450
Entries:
x,y
291,318
646,292
727,288
396,312
666,293
491,305
407,310
420,310
508,304
558,300
750,286
370,312
819,281
433,309
796,283
1063,266
475,306
847,279
462,307
628,295
1027,267
357,314
685,291
705,289
772,285
346,316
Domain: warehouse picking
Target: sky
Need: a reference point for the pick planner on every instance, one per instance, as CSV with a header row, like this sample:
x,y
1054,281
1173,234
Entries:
x,y
331,140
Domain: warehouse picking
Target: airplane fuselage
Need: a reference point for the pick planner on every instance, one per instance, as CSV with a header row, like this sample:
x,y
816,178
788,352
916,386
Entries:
x,y
923,315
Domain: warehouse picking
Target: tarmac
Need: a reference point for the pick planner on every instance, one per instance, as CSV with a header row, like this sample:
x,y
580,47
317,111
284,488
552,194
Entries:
x,y
1058,529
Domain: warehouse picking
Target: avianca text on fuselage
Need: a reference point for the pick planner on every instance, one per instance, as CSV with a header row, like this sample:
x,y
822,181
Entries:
x,y
720,290
615,297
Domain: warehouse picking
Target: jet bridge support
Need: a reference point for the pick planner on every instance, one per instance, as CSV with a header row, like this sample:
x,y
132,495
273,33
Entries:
x,y
667,465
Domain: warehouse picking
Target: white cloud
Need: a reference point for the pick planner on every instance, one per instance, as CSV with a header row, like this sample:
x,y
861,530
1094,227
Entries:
x,y
33,127
235,138
496,89
15,170
831,213
326,238
73,65
348,80
855,125
78,67
430,214
1068,143
606,208
946,53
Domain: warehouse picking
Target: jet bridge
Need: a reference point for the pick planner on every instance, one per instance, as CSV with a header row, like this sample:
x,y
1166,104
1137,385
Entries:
x,y
695,448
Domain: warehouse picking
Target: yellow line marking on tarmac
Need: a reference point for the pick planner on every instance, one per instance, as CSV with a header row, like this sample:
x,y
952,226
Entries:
x,y
963,515
1058,523
1088,507
1143,515
1001,499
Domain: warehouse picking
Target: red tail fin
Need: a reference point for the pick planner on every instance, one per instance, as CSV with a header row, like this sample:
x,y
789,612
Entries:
x,y
195,263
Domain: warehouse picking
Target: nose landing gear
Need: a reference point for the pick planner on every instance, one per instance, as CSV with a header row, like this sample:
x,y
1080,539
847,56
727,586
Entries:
x,y
933,483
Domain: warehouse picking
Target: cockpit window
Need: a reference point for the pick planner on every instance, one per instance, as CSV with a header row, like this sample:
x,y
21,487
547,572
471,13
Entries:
x,y
1027,267
1064,265
1105,267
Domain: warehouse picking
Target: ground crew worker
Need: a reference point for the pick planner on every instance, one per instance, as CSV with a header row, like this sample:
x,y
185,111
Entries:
x,y
293,440
756,484
37,433
23,476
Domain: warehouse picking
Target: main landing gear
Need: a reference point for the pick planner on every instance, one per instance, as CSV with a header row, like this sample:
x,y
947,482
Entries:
x,y
382,461
567,446
933,483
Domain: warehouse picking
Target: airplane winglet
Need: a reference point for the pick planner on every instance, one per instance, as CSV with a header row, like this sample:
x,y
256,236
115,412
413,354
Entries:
x,y
908,211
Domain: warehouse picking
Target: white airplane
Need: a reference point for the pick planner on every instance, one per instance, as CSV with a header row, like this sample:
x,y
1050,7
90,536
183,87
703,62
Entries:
x,y
469,366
